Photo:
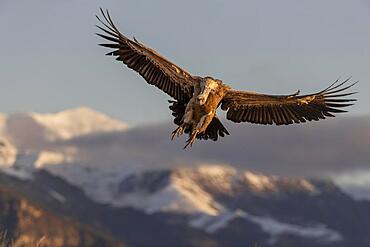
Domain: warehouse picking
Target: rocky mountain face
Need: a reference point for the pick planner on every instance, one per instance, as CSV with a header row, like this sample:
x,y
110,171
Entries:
x,y
25,223
69,169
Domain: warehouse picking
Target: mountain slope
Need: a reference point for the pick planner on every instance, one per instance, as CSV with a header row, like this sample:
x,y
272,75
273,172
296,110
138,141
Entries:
x,y
25,224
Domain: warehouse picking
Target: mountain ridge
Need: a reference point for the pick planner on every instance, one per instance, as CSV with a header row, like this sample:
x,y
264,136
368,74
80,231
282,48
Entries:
x,y
210,203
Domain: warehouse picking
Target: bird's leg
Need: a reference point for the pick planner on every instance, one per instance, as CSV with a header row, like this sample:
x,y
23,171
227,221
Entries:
x,y
201,127
188,116
205,121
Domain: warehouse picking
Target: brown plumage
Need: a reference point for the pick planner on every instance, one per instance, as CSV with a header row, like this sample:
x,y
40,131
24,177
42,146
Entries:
x,y
197,98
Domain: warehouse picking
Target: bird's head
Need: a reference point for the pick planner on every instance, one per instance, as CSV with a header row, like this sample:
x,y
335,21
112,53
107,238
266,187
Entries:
x,y
208,85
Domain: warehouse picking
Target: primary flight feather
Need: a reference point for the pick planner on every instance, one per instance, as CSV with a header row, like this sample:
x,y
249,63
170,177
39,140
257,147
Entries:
x,y
197,98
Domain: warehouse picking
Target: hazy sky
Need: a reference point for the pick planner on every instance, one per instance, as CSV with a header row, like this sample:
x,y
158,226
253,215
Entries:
x,y
50,61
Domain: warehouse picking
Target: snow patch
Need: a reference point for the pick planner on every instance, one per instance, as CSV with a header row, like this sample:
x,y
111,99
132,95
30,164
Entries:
x,y
276,228
259,182
23,166
57,196
212,224
20,174
3,123
220,177
180,195
8,153
47,157
356,183
357,178
215,170
99,184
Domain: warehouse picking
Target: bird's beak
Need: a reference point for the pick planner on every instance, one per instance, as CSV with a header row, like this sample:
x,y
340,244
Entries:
x,y
201,99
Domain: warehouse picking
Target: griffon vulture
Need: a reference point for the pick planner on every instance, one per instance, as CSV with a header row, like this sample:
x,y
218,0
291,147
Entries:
x,y
197,98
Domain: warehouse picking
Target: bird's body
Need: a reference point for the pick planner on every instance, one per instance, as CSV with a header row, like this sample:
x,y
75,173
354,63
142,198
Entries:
x,y
201,108
197,98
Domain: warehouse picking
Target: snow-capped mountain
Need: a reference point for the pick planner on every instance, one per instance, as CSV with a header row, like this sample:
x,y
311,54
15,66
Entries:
x,y
208,203
210,197
43,138
76,122
58,126
196,190
225,202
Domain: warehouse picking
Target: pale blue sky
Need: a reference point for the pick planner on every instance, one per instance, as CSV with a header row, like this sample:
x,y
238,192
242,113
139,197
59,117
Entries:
x,y
50,61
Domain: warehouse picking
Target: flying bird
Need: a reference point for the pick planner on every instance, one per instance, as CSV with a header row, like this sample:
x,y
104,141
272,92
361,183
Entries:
x,y
196,98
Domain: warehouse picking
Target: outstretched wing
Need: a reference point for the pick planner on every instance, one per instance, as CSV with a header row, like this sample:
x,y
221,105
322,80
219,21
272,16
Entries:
x,y
286,109
155,69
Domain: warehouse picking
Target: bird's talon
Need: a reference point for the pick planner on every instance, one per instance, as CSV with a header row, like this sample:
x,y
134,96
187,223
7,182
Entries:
x,y
192,138
177,132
